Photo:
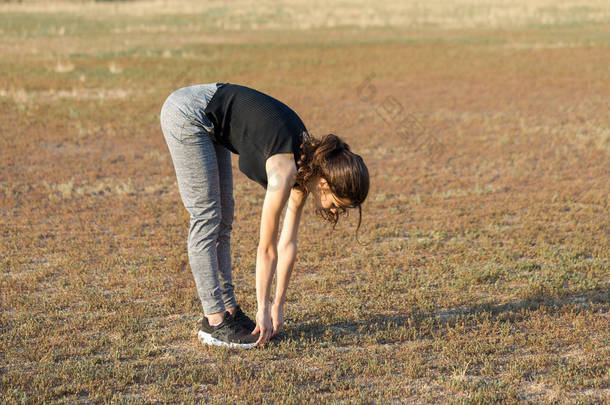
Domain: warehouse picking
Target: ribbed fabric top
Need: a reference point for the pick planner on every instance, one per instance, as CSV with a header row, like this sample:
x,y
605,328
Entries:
x,y
255,126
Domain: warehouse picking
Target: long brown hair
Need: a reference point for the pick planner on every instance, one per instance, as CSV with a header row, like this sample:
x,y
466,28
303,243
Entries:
x,y
345,172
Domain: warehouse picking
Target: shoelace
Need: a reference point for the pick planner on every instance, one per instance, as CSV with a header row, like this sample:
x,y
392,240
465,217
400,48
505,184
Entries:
x,y
242,319
232,324
230,320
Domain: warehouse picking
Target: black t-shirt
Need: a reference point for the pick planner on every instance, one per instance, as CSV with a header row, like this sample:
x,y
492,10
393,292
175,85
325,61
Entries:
x,y
255,126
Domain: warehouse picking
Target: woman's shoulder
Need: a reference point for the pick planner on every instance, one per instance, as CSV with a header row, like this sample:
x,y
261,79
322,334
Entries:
x,y
281,164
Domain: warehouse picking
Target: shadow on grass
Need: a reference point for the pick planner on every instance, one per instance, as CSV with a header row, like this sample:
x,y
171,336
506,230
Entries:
x,y
417,324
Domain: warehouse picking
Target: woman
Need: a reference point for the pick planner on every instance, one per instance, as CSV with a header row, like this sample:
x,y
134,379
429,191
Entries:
x,y
202,125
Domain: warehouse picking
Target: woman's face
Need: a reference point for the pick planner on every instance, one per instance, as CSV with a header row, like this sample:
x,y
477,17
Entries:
x,y
325,199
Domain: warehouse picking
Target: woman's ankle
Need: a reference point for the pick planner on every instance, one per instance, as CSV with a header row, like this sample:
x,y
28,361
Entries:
x,y
215,318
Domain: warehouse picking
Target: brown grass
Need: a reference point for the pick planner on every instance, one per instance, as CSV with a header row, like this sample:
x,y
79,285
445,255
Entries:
x,y
486,274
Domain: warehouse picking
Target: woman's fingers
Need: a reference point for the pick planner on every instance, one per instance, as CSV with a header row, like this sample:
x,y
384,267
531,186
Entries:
x,y
261,337
277,315
264,326
265,334
276,329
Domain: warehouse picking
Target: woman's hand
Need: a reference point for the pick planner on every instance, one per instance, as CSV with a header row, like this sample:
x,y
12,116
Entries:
x,y
277,317
264,325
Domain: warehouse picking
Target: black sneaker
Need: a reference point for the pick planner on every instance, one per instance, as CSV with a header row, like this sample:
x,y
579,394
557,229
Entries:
x,y
241,318
228,333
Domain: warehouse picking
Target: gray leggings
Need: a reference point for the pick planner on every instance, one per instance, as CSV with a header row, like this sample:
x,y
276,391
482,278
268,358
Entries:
x,y
205,182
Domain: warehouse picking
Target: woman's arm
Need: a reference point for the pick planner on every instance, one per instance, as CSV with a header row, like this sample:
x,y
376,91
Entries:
x,y
287,247
287,250
281,174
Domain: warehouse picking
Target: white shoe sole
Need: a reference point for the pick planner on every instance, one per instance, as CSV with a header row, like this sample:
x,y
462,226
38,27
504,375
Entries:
x,y
208,339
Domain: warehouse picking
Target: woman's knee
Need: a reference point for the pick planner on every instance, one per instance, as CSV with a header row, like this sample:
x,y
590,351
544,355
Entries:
x,y
204,231
205,209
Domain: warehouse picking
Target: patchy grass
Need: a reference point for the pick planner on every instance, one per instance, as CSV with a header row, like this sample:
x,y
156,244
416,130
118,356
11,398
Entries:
x,y
485,276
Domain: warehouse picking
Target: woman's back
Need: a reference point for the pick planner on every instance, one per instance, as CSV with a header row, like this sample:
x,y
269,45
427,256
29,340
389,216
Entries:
x,y
255,126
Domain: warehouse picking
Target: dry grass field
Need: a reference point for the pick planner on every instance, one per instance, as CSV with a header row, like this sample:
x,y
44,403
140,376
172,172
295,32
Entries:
x,y
483,272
